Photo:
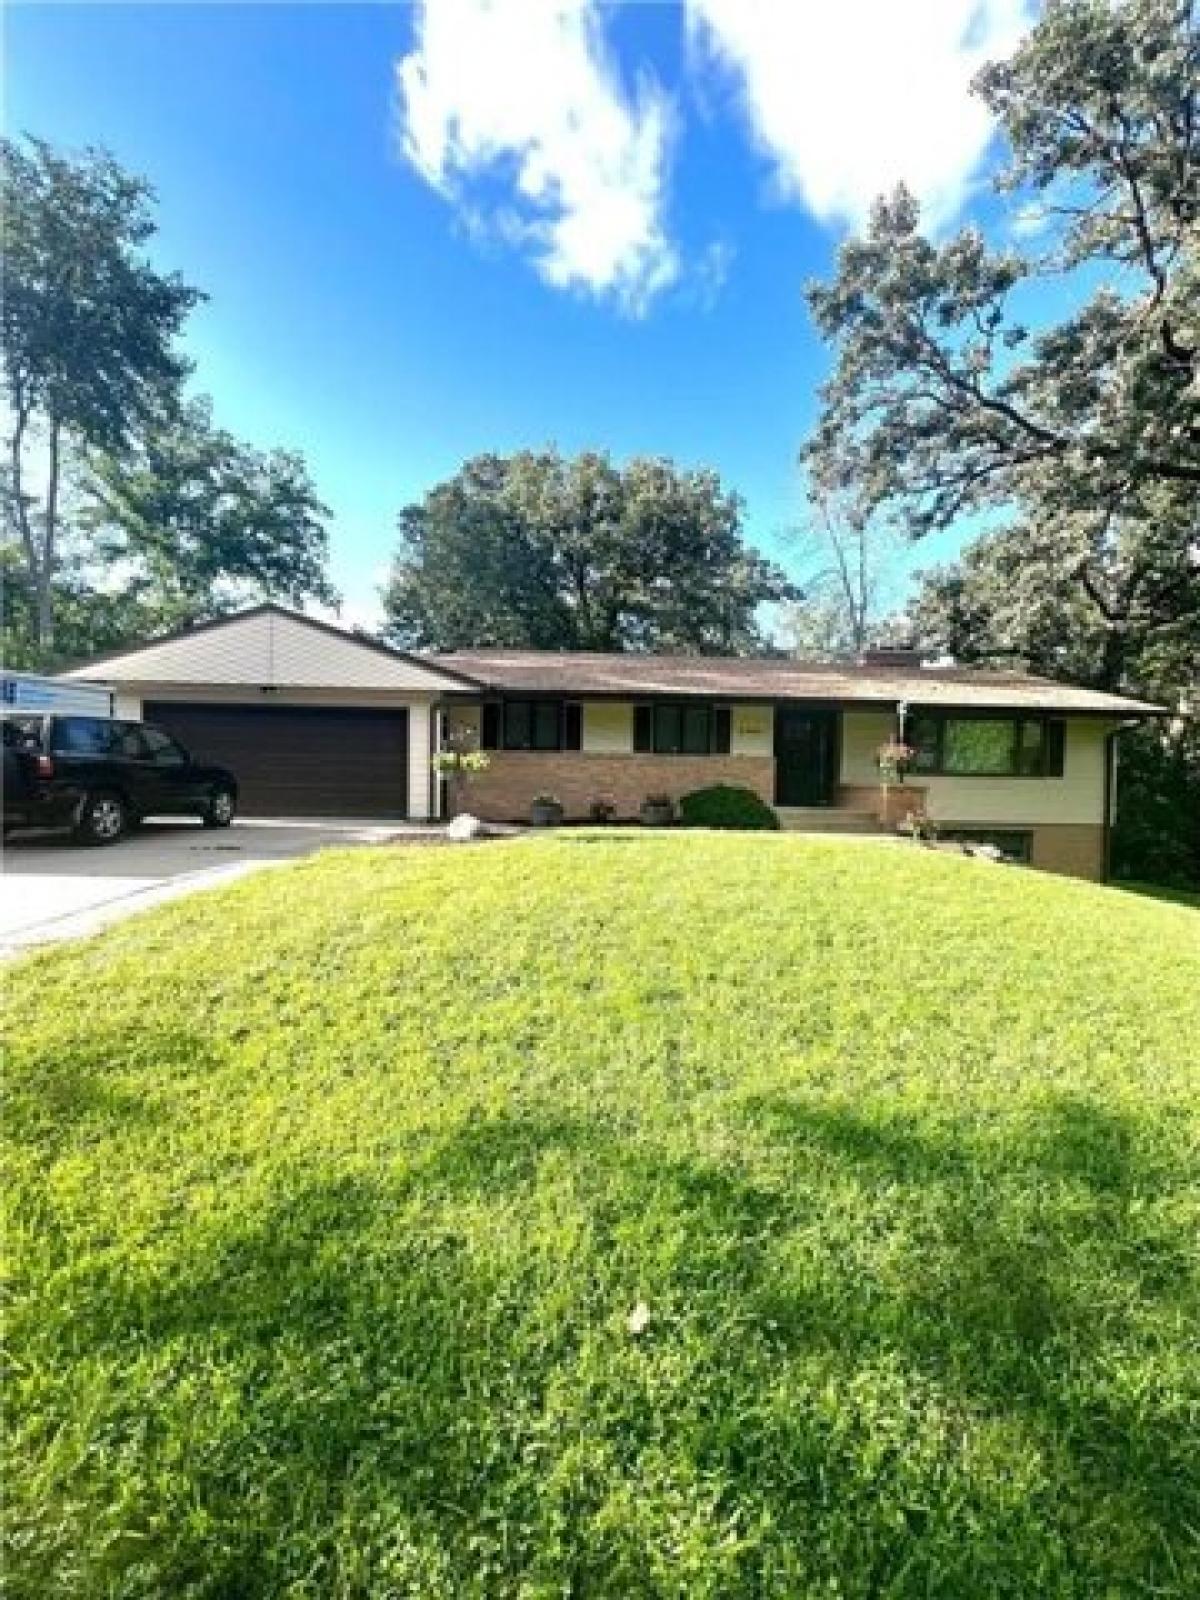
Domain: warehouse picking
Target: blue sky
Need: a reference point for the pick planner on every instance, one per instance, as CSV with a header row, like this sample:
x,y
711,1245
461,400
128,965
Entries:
x,y
427,232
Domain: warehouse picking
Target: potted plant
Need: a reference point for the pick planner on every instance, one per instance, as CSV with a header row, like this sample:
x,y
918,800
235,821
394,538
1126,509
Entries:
x,y
546,811
658,810
601,811
458,761
892,759
920,827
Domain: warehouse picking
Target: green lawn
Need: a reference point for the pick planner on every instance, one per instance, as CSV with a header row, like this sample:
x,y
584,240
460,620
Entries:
x,y
330,1196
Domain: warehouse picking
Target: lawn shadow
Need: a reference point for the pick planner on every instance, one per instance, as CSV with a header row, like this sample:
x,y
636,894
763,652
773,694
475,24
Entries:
x,y
61,1097
399,1359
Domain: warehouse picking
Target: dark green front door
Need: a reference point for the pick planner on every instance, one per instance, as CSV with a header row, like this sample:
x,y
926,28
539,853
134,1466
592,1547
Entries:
x,y
805,756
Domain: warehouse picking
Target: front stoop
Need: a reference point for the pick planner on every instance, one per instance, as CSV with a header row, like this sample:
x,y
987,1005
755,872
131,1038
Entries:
x,y
826,819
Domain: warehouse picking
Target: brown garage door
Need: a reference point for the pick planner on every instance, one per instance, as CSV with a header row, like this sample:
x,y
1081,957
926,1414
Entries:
x,y
307,761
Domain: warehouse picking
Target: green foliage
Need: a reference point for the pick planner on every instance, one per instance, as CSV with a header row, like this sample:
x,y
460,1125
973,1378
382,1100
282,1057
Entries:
x,y
725,805
330,1196
196,511
107,469
87,330
1157,834
539,551
943,401
460,763
1081,438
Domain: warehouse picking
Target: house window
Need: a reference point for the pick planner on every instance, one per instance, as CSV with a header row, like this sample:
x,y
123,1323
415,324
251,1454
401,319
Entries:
x,y
986,747
688,728
532,725
1016,844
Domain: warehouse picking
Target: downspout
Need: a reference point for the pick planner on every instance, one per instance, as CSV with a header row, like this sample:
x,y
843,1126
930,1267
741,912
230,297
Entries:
x,y
1110,797
435,744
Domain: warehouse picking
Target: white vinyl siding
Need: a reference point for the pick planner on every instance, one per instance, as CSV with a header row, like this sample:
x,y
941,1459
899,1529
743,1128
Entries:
x,y
1077,797
419,774
272,649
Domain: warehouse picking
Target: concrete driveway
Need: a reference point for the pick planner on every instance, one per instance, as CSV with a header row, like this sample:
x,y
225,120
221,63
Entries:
x,y
54,889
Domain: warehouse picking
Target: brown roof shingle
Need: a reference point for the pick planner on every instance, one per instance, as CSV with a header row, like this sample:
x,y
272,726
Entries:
x,y
738,678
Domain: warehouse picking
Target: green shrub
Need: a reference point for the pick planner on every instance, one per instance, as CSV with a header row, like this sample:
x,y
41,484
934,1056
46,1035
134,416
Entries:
x,y
724,805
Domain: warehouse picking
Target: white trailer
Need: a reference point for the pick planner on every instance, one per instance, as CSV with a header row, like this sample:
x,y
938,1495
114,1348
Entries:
x,y
27,691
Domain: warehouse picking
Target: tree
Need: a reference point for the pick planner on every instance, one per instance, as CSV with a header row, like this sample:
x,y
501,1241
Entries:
x,y
87,333
201,517
91,616
1110,605
942,400
846,559
1079,438
549,553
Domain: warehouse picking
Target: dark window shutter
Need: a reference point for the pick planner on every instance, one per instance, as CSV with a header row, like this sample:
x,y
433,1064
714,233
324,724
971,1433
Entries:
x,y
1056,748
722,725
643,728
572,725
489,728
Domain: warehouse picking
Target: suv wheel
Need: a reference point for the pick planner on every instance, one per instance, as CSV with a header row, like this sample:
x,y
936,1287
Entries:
x,y
220,809
103,819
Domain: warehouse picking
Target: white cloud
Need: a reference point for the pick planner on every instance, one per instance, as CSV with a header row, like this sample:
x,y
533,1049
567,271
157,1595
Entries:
x,y
522,93
850,97
711,273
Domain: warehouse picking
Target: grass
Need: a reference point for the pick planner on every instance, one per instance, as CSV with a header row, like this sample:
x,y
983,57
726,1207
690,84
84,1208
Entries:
x,y
1183,897
330,1195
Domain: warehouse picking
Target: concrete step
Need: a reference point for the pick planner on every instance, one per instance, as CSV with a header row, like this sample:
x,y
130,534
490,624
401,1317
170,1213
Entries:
x,y
826,819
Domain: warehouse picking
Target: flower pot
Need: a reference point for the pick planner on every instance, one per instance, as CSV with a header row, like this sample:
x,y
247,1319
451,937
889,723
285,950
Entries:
x,y
658,816
545,813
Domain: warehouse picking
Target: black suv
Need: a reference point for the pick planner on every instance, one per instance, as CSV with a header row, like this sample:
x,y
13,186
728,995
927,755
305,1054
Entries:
x,y
100,777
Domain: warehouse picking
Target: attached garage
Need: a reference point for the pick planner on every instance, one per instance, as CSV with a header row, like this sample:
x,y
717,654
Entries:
x,y
306,761
313,720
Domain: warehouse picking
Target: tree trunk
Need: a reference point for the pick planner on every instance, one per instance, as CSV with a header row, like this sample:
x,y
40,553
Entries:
x,y
43,575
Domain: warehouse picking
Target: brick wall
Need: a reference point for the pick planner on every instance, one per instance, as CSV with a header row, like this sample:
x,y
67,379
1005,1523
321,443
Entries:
x,y
505,791
902,798
1076,849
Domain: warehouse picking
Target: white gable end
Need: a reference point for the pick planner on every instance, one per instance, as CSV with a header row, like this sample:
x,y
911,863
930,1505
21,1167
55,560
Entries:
x,y
267,649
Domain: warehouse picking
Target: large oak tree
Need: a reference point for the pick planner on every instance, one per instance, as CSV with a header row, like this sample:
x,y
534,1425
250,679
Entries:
x,y
553,553
944,399
1075,435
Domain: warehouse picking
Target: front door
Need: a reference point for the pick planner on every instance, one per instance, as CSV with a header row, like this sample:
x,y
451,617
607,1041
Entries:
x,y
805,756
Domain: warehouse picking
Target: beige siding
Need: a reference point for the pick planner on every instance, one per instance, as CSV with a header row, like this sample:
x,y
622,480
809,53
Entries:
x,y
127,705
862,734
420,715
1076,797
752,731
608,727
270,648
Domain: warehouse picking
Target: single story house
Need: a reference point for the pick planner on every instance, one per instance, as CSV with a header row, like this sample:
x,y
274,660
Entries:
x,y
316,720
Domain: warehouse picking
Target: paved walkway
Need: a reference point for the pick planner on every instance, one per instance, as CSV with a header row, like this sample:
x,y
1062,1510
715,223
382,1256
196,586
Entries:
x,y
54,889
